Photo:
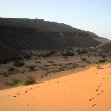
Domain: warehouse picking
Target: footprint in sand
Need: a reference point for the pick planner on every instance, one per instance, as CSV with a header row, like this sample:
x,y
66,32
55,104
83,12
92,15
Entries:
x,y
26,91
97,89
91,99
100,85
30,88
98,94
102,90
17,93
94,105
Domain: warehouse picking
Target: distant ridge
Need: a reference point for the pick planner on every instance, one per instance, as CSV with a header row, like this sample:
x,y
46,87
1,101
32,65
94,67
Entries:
x,y
40,25
18,34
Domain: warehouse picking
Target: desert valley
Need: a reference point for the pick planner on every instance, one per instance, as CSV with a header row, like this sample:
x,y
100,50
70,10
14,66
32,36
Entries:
x,y
50,66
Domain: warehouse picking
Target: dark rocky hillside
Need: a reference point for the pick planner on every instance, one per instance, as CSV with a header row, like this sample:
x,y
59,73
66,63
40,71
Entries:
x,y
106,48
17,35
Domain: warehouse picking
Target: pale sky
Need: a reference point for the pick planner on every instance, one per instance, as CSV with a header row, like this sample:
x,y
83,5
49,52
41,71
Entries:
x,y
90,15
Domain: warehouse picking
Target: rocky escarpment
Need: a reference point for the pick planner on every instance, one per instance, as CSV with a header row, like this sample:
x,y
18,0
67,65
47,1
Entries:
x,y
17,35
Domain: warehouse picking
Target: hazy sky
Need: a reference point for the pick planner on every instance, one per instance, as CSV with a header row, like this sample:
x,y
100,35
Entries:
x,y
90,15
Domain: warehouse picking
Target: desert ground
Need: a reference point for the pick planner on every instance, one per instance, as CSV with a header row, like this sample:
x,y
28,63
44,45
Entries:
x,y
40,66
87,90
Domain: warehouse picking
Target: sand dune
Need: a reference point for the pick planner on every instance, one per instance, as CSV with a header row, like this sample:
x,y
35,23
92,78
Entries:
x,y
88,90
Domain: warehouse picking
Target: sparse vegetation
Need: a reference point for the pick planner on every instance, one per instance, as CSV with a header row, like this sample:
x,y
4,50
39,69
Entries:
x,y
87,61
38,62
61,67
98,66
28,80
9,72
46,65
82,51
11,69
46,54
50,61
12,82
54,64
32,68
18,64
110,61
102,60
67,53
5,74
83,59
103,56
27,56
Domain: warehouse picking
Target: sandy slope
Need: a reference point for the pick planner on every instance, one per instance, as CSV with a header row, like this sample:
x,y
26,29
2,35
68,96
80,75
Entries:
x,y
88,90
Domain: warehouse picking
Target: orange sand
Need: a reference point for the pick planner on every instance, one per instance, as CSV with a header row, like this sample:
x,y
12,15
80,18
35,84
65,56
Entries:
x,y
88,90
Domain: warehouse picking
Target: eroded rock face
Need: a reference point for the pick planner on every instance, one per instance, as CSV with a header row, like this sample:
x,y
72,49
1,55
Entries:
x,y
106,48
17,35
